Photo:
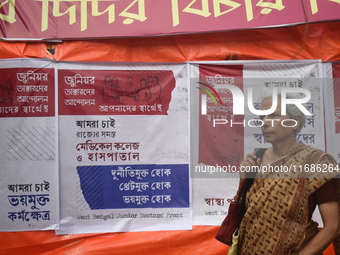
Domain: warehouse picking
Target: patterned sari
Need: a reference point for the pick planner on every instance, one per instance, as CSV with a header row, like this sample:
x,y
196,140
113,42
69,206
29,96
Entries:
x,y
276,220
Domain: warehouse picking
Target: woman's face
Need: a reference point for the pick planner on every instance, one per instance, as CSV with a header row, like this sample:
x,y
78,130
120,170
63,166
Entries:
x,y
273,129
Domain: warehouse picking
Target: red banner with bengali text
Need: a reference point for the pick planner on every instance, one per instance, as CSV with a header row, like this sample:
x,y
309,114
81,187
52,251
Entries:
x,y
27,92
216,144
115,92
71,19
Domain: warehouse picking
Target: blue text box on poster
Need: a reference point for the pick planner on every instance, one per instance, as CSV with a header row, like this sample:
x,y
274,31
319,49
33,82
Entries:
x,y
135,186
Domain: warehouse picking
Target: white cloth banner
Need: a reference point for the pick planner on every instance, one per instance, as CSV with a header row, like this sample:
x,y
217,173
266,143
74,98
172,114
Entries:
x,y
332,108
124,148
221,139
29,187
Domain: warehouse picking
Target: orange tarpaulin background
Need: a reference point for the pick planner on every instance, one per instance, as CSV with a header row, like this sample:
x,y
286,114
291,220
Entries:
x,y
313,41
198,241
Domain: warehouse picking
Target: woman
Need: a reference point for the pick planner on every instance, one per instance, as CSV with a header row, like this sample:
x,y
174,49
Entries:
x,y
279,205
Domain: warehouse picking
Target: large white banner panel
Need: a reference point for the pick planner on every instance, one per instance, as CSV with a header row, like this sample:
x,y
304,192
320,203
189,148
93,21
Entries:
x,y
124,148
222,139
29,186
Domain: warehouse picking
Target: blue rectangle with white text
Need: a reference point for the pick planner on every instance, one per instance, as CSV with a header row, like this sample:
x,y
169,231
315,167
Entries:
x,y
135,186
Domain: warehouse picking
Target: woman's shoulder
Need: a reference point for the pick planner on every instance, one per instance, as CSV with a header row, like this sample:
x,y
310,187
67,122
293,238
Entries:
x,y
316,154
320,166
320,155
